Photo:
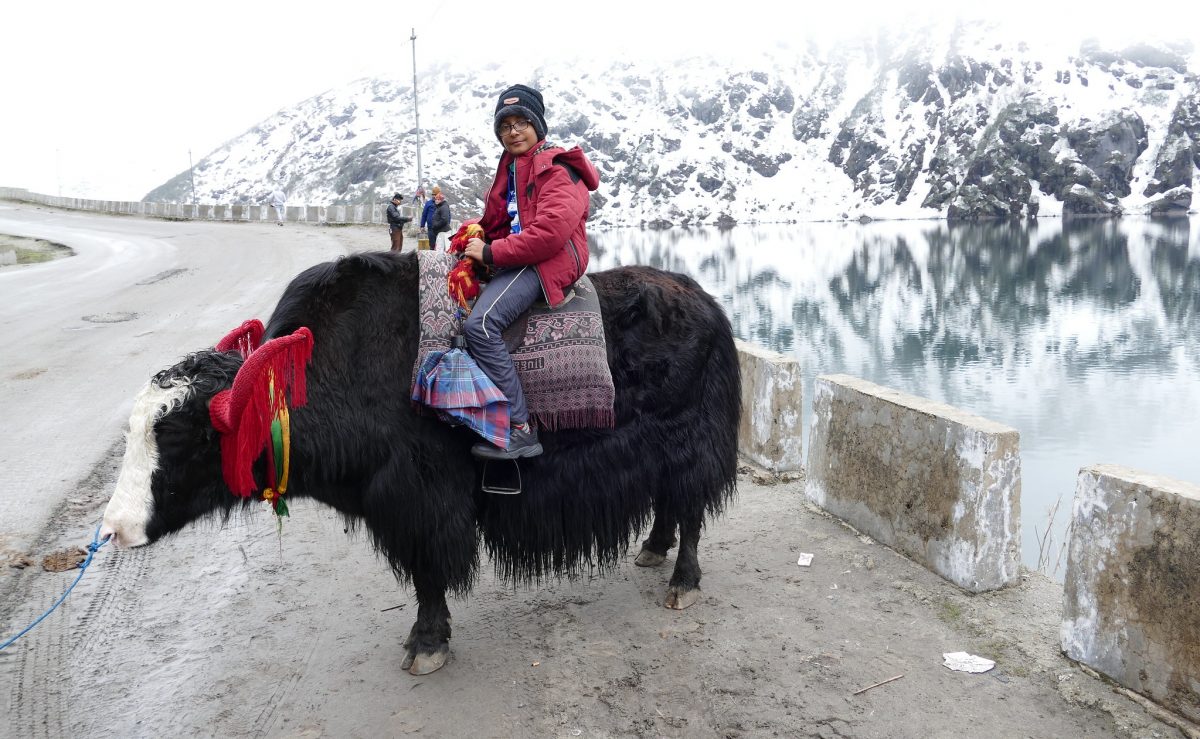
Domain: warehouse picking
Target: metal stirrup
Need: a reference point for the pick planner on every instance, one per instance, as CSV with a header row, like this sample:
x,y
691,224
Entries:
x,y
486,487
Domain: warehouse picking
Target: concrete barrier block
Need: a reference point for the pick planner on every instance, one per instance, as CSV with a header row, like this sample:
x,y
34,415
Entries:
x,y
936,483
1131,600
770,434
293,213
219,212
312,214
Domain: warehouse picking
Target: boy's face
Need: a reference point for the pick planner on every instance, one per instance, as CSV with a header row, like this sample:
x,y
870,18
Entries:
x,y
517,142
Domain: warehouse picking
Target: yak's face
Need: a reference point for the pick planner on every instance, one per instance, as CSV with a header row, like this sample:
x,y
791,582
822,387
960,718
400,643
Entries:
x,y
171,473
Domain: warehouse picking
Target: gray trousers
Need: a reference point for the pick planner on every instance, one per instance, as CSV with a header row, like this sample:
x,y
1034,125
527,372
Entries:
x,y
502,301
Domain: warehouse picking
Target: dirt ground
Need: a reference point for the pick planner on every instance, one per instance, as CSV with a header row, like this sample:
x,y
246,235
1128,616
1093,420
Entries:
x,y
238,629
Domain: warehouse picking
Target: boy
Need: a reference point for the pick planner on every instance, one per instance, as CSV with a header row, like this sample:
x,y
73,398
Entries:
x,y
535,238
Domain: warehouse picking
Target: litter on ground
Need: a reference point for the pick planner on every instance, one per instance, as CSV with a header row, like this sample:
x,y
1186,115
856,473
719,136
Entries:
x,y
963,662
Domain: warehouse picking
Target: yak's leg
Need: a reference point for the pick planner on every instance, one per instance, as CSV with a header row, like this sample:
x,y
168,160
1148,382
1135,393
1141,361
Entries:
x,y
684,589
428,644
661,539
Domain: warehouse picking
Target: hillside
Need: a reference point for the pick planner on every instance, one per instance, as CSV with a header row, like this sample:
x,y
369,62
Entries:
x,y
948,122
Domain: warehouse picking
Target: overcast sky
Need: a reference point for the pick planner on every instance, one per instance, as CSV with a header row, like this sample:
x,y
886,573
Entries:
x,y
104,99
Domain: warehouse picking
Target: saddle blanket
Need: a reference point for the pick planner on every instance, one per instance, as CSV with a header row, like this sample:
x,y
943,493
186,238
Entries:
x,y
560,354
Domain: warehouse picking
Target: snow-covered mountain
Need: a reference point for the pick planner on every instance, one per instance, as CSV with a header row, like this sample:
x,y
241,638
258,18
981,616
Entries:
x,y
949,121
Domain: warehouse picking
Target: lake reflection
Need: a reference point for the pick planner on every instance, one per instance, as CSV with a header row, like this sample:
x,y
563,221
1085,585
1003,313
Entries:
x,y
1082,335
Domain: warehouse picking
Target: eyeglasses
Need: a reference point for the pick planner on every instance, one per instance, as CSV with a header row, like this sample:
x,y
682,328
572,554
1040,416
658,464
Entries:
x,y
518,126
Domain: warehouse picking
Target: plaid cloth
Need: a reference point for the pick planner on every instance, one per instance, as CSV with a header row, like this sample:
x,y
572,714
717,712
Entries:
x,y
453,385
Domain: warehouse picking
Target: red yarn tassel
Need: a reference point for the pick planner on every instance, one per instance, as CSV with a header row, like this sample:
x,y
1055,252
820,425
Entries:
x,y
273,374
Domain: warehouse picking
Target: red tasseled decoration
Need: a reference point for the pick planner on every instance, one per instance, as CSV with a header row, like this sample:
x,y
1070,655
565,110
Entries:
x,y
244,338
272,375
462,282
467,231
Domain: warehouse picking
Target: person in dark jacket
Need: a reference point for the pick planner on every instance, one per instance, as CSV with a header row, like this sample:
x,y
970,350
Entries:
x,y
427,213
396,223
439,222
535,237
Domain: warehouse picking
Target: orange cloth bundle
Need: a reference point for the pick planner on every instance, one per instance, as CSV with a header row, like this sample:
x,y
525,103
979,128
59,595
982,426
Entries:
x,y
466,232
463,283
463,280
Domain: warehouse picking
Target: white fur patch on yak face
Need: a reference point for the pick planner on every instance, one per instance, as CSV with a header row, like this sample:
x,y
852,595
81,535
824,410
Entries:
x,y
128,511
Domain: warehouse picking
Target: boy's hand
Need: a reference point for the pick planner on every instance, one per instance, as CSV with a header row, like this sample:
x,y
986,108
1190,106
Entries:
x,y
474,250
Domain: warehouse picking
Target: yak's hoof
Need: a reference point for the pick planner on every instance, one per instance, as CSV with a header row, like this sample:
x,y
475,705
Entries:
x,y
679,598
423,664
647,558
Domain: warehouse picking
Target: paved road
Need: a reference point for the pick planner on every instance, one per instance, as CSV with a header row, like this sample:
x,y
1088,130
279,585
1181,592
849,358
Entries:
x,y
80,335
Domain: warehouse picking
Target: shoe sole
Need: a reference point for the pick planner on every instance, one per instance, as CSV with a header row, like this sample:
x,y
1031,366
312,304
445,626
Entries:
x,y
501,454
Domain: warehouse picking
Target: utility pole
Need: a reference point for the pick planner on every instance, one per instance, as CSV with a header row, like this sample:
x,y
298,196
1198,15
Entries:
x,y
192,176
416,113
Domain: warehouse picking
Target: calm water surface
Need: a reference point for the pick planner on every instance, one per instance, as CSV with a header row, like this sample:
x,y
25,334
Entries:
x,y
1084,336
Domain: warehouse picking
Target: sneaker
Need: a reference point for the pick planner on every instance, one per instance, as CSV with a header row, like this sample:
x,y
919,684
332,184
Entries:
x,y
522,442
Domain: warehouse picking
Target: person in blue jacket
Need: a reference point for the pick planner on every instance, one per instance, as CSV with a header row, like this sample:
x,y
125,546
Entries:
x,y
427,213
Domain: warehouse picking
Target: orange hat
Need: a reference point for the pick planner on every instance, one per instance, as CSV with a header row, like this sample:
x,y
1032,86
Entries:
x,y
436,190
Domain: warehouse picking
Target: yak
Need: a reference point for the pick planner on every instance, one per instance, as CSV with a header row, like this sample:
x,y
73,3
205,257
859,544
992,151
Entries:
x,y
408,479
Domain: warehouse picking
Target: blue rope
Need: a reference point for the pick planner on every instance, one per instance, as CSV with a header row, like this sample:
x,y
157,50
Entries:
x,y
92,549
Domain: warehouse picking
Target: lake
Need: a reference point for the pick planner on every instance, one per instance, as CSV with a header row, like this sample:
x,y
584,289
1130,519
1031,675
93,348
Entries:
x,y
1083,335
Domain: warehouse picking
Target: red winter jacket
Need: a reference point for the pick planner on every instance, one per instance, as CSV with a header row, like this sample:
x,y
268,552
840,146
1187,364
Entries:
x,y
552,198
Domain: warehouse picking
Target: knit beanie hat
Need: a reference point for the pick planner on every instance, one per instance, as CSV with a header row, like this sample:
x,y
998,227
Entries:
x,y
525,102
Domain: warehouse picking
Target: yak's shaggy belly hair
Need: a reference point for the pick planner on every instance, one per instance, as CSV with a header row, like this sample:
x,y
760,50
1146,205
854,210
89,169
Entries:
x,y
363,448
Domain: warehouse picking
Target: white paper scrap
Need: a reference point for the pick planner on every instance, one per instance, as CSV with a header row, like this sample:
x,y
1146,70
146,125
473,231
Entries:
x,y
805,559
963,662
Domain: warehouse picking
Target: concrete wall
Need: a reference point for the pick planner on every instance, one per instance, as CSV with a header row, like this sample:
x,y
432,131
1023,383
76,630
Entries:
x,y
339,214
772,399
936,483
1131,604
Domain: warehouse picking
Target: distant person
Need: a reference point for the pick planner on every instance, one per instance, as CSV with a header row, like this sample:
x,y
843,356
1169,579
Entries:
x,y
439,223
419,196
396,223
279,202
534,236
427,214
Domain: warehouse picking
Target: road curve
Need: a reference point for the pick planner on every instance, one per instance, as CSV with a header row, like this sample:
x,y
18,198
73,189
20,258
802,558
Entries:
x,y
80,335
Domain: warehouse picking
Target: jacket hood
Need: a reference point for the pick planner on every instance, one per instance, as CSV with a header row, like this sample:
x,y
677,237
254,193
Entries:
x,y
550,155
579,162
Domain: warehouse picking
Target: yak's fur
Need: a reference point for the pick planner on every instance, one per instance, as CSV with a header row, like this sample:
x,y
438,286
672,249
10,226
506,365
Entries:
x,y
360,447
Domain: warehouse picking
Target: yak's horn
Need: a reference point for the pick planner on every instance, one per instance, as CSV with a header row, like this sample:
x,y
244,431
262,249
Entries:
x,y
243,339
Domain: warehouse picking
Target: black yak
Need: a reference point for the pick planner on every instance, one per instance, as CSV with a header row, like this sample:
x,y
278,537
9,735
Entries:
x,y
360,447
